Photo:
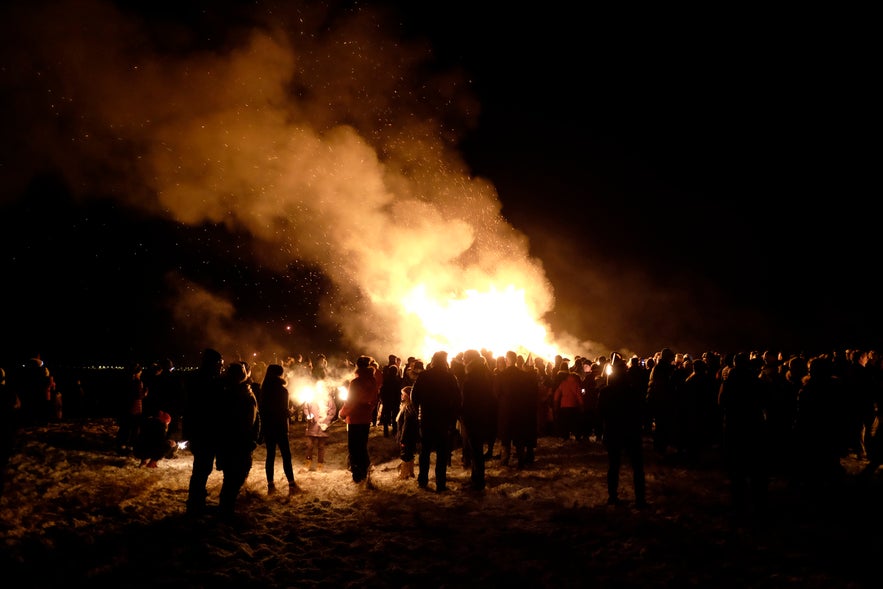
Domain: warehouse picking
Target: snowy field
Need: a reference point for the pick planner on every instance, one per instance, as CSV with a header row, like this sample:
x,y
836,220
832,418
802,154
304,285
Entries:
x,y
76,512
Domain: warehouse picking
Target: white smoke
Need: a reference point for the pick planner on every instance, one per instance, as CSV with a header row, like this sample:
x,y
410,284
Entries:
x,y
322,135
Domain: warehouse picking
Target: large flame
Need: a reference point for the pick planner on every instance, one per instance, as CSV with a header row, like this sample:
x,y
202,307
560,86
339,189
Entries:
x,y
496,319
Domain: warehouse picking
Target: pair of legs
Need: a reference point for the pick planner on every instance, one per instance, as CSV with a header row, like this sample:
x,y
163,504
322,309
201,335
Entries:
x,y
478,457
203,464
633,449
316,449
438,442
357,446
237,465
270,463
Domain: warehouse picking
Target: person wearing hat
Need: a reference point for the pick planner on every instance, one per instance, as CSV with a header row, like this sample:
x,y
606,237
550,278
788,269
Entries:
x,y
358,410
153,443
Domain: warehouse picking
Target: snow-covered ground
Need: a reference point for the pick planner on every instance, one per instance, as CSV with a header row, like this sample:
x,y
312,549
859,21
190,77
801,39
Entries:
x,y
75,511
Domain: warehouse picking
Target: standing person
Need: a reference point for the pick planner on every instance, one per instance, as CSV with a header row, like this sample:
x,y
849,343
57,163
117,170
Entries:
x,y
662,401
203,395
745,442
504,403
378,381
237,416
568,403
132,411
479,413
320,412
276,410
520,390
35,385
390,399
166,393
436,395
621,409
408,434
816,451
10,404
358,410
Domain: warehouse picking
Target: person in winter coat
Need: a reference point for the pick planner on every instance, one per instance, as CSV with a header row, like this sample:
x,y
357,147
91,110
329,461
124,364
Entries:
x,y
521,391
202,396
436,395
238,413
622,411
319,412
276,410
390,398
408,434
358,410
153,443
479,413
568,403
132,412
743,404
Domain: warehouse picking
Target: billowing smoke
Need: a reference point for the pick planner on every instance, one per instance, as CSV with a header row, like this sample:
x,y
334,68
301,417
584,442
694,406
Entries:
x,y
319,134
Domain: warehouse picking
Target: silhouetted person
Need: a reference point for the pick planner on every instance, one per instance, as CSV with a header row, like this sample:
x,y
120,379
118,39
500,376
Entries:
x,y
621,409
520,388
276,411
745,439
166,393
817,448
237,414
34,384
358,411
132,410
201,414
153,443
662,401
390,399
408,434
698,410
436,396
479,413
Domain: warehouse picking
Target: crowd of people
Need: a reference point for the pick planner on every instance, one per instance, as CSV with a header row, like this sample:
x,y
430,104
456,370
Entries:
x,y
764,413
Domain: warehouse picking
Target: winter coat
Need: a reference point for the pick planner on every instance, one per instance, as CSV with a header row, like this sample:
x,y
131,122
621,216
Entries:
x,y
276,408
622,409
568,393
152,442
408,428
323,410
479,411
237,415
436,395
521,391
203,395
362,398
391,393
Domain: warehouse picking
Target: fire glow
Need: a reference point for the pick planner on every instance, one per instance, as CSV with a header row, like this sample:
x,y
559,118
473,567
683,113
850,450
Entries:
x,y
496,319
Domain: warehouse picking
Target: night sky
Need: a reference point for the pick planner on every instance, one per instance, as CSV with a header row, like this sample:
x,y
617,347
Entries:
x,y
699,180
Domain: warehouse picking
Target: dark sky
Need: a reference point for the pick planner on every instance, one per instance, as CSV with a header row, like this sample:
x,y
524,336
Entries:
x,y
700,180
